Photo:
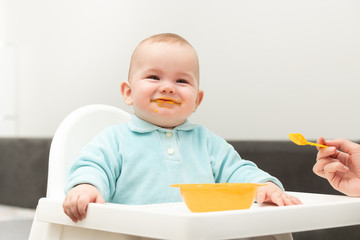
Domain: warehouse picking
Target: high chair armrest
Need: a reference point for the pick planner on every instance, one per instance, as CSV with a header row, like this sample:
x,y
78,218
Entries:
x,y
175,221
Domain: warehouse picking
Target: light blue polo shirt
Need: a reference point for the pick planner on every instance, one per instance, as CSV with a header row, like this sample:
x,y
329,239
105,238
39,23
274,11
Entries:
x,y
136,162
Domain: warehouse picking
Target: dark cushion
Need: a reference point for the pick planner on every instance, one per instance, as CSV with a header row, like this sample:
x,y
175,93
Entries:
x,y
23,170
290,163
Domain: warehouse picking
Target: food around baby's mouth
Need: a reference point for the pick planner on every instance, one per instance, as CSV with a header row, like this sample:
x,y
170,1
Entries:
x,y
165,102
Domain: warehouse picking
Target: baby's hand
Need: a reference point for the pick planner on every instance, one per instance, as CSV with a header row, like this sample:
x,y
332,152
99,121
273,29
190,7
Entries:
x,y
271,193
77,200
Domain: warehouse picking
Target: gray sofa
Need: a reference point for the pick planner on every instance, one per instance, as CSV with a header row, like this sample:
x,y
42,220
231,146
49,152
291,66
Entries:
x,y
24,162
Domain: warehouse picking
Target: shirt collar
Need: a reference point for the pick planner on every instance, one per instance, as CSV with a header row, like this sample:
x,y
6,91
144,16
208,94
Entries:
x,y
136,124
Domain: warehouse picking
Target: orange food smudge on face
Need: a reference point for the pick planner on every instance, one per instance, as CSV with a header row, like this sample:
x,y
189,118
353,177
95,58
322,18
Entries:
x,y
166,102
154,109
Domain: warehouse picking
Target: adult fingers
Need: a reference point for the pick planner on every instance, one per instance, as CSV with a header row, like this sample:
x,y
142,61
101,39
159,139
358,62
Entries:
x,y
326,152
332,168
344,145
321,141
342,156
318,168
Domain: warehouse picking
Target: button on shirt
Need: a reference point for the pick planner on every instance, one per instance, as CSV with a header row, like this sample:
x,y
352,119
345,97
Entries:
x,y
136,162
171,151
170,143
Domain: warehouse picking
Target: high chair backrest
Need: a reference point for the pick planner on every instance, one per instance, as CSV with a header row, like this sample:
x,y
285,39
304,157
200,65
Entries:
x,y
74,132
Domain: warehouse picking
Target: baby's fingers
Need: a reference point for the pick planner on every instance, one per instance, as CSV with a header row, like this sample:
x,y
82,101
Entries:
x,y
72,217
82,205
99,199
291,200
282,199
74,211
261,196
70,209
84,201
277,198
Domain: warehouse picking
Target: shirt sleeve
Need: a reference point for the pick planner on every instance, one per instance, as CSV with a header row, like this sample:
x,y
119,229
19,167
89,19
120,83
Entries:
x,y
228,166
98,164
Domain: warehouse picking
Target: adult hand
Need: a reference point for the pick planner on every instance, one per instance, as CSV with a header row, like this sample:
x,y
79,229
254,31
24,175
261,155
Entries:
x,y
340,165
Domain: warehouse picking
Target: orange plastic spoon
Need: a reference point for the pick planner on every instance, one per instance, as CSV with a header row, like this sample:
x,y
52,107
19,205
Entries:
x,y
300,140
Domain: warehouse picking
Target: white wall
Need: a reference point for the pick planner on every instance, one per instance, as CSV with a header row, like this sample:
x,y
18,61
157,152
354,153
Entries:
x,y
8,120
2,20
8,113
268,68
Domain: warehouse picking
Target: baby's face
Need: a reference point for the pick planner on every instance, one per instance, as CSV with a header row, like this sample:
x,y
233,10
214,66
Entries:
x,y
164,84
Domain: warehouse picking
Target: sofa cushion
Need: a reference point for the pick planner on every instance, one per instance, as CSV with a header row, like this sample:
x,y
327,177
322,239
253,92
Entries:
x,y
23,170
290,163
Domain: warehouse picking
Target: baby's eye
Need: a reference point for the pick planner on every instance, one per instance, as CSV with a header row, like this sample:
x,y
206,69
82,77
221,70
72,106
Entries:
x,y
182,81
154,77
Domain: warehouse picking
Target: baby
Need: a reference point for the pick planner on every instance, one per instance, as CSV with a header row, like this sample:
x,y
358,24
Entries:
x,y
136,162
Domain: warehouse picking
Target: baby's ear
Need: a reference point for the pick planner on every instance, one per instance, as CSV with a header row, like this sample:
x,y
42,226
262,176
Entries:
x,y
126,93
199,99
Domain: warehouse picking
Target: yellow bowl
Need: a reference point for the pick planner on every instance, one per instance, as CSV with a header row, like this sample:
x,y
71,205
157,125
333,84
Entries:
x,y
211,197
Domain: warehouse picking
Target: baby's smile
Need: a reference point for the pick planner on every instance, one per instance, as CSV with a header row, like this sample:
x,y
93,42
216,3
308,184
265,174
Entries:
x,y
166,102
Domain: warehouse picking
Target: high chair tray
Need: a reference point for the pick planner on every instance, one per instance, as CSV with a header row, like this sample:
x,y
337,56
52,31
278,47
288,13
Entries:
x,y
175,221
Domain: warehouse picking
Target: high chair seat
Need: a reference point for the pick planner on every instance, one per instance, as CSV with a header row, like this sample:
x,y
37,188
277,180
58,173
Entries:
x,y
77,129
167,221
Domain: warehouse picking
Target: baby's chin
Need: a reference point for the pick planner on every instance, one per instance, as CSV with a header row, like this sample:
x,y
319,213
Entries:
x,y
168,122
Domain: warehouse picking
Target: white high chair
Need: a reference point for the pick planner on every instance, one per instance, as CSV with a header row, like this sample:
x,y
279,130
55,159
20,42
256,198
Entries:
x,y
74,132
167,221
77,129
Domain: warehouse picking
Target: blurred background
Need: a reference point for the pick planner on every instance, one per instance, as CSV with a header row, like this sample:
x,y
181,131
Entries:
x,y
268,68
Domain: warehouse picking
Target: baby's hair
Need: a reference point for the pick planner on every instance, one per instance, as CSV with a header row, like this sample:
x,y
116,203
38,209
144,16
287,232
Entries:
x,y
166,37
162,37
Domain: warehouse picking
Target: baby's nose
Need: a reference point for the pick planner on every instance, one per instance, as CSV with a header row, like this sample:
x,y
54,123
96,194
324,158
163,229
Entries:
x,y
167,88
